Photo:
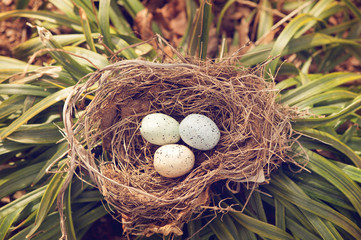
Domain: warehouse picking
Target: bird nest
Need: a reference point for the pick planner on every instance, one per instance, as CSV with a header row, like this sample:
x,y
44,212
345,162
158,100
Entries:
x,y
106,141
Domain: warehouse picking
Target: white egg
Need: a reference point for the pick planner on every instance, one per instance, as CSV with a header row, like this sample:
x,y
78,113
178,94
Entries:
x,y
160,129
199,132
173,160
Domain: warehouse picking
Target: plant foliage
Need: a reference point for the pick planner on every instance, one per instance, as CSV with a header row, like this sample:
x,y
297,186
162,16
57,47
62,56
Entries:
x,y
307,45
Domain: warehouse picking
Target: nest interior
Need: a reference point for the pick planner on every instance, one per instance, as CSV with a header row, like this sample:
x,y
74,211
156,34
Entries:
x,y
255,136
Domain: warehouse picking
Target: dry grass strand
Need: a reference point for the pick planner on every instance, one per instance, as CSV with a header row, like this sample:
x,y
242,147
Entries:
x,y
255,136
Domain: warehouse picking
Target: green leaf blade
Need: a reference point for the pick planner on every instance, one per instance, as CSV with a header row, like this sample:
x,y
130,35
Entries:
x,y
33,111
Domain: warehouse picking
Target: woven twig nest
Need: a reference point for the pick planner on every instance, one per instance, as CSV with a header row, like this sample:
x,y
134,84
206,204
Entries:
x,y
106,141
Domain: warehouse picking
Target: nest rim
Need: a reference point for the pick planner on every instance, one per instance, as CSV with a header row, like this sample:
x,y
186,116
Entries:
x,y
84,157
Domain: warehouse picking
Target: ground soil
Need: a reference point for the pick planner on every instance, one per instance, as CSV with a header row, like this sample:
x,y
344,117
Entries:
x,y
14,31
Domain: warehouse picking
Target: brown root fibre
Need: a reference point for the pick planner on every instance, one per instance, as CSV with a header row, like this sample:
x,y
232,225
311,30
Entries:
x,y
106,141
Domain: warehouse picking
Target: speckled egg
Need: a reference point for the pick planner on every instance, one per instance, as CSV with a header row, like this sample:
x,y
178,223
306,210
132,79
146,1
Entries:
x,y
160,129
173,160
199,131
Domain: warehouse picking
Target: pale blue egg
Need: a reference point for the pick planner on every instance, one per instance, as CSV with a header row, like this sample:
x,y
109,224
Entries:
x,y
160,129
199,131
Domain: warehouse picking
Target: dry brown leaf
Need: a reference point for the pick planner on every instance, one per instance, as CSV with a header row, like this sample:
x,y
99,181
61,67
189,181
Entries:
x,y
172,20
243,31
269,37
143,24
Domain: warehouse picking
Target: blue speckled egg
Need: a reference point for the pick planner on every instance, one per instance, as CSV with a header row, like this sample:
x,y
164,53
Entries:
x,y
199,131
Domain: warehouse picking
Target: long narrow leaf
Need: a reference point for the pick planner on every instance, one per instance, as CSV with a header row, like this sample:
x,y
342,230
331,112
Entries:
x,y
132,6
336,177
193,227
21,202
222,13
60,150
335,198
19,179
206,22
63,58
86,29
90,58
280,215
299,231
11,66
262,52
303,123
191,12
42,15
36,109
69,215
318,86
16,89
7,146
316,208
335,143
221,230
7,221
11,105
48,230
353,8
48,199
198,38
332,95
318,224
66,7
36,134
231,225
282,41
265,19
104,22
91,13
257,205
119,21
321,226
29,47
261,228
353,172
89,217
319,11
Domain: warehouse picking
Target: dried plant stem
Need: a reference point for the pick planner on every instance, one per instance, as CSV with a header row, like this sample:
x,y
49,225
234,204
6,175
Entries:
x,y
255,136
